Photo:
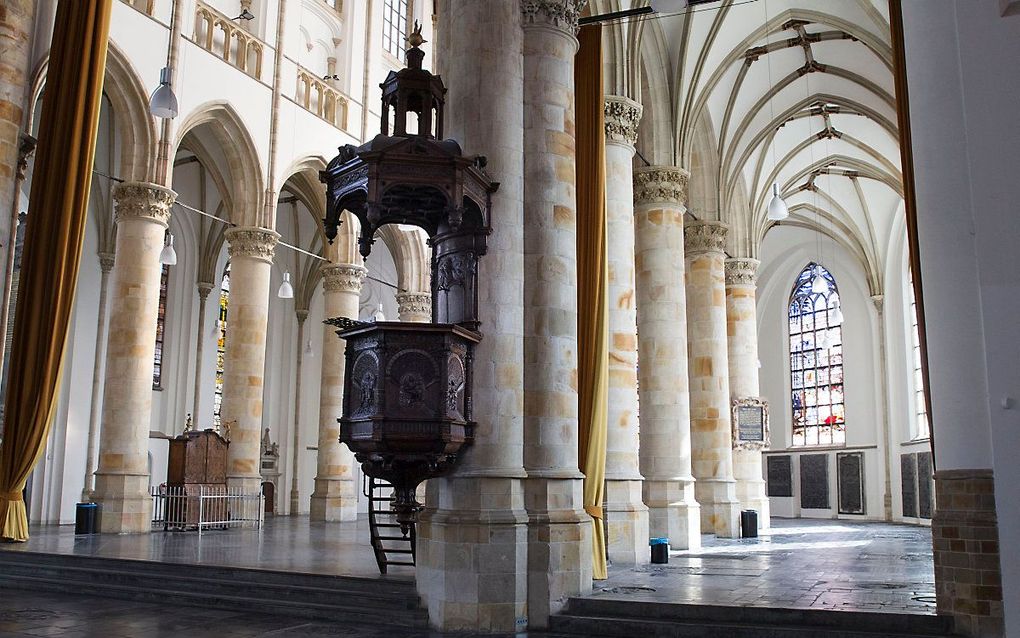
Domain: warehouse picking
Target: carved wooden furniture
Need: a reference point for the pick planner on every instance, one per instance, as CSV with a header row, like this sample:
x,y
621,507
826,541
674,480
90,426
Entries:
x,y
197,460
407,386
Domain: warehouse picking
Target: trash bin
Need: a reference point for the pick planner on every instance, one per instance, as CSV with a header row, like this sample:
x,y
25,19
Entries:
x,y
749,524
85,518
660,550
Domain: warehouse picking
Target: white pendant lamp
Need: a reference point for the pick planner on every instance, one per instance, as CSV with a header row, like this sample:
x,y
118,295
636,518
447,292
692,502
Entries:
x,y
777,207
818,283
837,315
286,291
168,256
163,102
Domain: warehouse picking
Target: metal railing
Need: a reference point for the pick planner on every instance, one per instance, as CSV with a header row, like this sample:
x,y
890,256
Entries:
x,y
201,507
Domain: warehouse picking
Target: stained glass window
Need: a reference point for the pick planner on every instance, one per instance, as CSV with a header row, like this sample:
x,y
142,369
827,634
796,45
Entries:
x,y
395,14
816,359
157,359
221,341
920,405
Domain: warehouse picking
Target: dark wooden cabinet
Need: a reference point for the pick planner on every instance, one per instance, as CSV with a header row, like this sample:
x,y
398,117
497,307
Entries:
x,y
197,465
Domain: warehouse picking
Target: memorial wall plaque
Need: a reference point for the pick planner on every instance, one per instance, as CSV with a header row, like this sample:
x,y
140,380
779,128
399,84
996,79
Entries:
x,y
925,485
780,475
850,482
814,481
908,484
750,424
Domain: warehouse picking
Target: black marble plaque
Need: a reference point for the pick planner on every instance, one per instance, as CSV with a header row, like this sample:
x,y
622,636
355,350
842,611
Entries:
x,y
850,482
780,475
908,484
925,485
814,481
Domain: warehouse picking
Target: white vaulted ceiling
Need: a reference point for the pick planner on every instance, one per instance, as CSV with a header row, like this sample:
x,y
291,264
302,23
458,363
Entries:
x,y
744,94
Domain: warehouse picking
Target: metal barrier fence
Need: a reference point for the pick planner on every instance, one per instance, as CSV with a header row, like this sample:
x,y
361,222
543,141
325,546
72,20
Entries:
x,y
200,507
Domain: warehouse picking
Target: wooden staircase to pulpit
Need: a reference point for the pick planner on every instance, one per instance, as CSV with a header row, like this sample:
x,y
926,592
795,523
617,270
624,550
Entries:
x,y
390,545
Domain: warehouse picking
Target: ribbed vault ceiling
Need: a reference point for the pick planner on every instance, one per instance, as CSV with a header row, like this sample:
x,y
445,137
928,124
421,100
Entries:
x,y
744,94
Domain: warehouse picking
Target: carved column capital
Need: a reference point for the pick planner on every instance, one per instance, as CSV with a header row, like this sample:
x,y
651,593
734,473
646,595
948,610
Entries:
x,y
561,14
703,236
204,288
302,315
660,184
742,271
414,304
343,277
622,116
879,301
249,241
141,200
106,262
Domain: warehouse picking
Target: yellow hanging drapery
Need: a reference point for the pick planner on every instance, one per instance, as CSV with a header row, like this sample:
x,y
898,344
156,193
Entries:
x,y
592,277
54,233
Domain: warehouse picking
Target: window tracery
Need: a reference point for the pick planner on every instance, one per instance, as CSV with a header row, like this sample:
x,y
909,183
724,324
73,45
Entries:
x,y
221,341
816,359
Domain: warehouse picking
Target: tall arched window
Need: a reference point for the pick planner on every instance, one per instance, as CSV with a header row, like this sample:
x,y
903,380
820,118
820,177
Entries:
x,y
157,357
920,405
816,359
395,14
221,341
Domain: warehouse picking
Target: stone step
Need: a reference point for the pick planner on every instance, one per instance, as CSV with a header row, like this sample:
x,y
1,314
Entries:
x,y
603,627
310,596
630,618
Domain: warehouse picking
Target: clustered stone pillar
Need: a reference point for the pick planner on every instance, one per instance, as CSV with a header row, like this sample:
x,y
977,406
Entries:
x,y
335,495
415,307
559,530
711,435
16,23
472,567
742,353
665,417
106,261
244,361
142,214
625,511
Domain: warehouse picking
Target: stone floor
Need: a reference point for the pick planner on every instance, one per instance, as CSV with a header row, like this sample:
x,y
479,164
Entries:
x,y
285,543
34,615
799,563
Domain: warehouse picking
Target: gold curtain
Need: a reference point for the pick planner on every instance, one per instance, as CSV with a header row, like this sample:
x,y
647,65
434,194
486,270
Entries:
x,y
592,276
53,239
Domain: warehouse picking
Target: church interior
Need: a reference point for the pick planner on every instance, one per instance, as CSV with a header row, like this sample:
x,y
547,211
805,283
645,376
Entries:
x,y
543,317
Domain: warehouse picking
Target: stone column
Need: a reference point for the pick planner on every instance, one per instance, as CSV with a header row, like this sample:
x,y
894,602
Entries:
x,y
335,497
711,437
742,354
244,360
415,307
16,25
559,530
472,567
142,214
295,439
204,288
105,267
626,514
665,417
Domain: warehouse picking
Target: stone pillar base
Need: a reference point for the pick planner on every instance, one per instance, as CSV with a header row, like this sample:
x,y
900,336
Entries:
x,y
673,512
720,509
627,520
334,500
965,536
247,484
472,554
125,505
559,546
750,489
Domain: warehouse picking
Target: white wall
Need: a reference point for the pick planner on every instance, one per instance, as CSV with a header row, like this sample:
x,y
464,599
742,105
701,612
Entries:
x,y
784,254
964,89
